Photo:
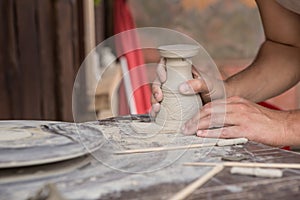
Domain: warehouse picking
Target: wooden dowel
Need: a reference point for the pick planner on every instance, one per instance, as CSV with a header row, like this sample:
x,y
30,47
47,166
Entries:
x,y
248,164
219,143
147,150
184,193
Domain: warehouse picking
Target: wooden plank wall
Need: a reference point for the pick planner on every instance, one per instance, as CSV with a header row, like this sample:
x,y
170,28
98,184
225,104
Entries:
x,y
40,52
100,19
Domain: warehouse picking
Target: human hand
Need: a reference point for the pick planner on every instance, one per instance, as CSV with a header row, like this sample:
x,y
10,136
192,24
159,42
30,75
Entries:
x,y
157,95
240,118
209,87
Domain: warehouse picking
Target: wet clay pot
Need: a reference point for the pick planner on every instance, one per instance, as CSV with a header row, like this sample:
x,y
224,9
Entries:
x,y
176,108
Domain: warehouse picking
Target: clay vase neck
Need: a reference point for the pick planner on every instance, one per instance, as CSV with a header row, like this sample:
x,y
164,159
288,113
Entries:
x,y
175,107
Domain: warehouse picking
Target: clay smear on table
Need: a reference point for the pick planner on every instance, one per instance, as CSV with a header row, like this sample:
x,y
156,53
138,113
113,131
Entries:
x,y
176,108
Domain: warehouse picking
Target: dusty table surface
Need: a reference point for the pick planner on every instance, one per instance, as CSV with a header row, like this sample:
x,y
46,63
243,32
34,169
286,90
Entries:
x,y
155,175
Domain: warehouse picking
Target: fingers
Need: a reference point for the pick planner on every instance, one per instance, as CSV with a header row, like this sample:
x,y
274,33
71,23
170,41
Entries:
x,y
154,109
156,92
225,103
191,126
218,120
156,86
211,121
206,111
157,95
225,132
193,86
218,113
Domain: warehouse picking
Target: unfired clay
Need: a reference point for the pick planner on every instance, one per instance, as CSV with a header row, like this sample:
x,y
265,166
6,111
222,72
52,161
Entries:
x,y
255,171
232,142
176,108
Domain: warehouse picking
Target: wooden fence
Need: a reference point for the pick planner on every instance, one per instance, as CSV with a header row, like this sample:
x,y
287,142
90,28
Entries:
x,y
41,49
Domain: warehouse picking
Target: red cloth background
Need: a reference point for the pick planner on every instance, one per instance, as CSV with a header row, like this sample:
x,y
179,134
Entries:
x,y
122,22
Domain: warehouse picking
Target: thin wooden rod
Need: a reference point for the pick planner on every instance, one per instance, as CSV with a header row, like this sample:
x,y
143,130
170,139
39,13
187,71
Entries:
x,y
89,26
247,164
147,150
227,142
188,190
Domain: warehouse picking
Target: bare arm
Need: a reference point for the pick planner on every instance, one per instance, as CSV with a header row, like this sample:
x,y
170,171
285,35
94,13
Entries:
x,y
275,69
277,65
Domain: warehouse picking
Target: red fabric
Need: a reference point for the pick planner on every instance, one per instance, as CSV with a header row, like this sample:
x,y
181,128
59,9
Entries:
x,y
129,43
123,106
267,105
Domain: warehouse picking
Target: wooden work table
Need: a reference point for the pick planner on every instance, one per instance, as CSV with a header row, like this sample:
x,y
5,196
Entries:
x,y
156,175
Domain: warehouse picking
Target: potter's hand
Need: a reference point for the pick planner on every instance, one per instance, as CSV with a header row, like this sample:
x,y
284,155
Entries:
x,y
241,118
209,87
157,95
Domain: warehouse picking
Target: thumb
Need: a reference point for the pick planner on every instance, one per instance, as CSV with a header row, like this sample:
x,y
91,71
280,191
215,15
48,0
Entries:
x,y
193,86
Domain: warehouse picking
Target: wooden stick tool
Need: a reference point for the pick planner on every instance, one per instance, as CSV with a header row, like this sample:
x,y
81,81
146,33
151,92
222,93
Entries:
x,y
185,192
226,142
247,164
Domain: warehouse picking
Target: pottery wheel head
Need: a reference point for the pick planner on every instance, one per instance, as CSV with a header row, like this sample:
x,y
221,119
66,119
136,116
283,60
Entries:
x,y
178,51
9,135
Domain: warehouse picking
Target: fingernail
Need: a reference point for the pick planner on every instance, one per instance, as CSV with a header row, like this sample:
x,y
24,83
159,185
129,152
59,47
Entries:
x,y
184,88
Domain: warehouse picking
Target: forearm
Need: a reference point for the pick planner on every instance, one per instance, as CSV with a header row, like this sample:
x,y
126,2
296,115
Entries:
x,y
275,69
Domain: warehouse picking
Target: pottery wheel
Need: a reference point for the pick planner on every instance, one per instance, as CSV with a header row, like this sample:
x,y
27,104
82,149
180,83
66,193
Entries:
x,y
28,143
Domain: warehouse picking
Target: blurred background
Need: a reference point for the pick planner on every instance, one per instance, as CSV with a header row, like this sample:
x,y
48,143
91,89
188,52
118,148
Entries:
x,y
44,42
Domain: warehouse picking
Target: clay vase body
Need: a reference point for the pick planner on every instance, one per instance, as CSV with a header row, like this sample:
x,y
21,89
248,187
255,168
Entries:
x,y
176,108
